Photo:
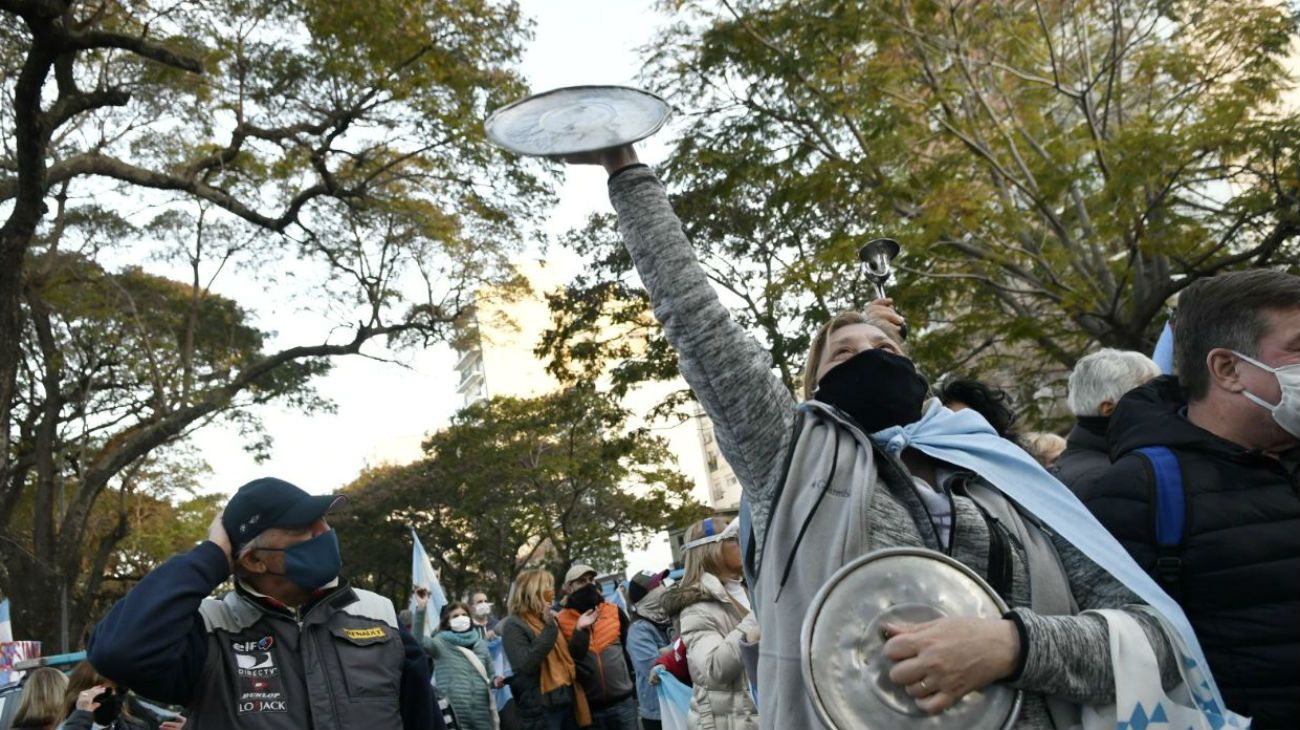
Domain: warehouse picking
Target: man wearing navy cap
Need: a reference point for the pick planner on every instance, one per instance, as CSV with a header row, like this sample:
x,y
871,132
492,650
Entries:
x,y
292,646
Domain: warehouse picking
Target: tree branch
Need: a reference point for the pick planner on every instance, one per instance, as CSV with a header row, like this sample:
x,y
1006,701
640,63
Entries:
x,y
103,39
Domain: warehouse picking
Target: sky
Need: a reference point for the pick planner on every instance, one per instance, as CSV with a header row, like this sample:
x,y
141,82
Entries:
x,y
383,409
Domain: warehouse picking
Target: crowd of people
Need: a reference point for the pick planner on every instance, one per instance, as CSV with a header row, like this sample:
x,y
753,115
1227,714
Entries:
x,y
1171,507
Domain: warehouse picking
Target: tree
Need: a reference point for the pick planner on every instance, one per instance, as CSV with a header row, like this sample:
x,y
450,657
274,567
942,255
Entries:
x,y
1055,170
514,481
327,149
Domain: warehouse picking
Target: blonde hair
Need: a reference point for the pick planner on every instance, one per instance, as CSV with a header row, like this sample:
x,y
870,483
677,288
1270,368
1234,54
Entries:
x,y
528,594
705,558
1045,447
42,698
818,346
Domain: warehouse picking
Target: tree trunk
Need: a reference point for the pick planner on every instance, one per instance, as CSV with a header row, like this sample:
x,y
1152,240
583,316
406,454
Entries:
x,y
16,235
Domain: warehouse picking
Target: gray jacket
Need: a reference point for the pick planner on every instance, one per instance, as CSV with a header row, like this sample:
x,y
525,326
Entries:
x,y
868,501
712,626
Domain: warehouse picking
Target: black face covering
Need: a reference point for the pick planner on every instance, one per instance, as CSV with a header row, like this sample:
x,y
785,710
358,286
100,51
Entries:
x,y
586,598
108,709
876,388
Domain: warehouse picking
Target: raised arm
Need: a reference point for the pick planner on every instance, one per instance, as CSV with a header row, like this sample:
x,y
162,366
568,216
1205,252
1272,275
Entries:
x,y
730,373
154,640
431,647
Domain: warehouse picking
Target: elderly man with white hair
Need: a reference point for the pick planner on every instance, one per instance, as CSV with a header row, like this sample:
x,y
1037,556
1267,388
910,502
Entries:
x,y
1096,385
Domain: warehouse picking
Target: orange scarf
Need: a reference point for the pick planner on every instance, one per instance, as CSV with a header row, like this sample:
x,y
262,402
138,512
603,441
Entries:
x,y
603,633
559,671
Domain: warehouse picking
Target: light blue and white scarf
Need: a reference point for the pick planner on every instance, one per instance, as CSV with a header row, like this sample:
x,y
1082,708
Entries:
x,y
965,439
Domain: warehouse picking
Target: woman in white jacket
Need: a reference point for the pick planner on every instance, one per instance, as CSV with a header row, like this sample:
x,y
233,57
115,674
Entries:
x,y
713,615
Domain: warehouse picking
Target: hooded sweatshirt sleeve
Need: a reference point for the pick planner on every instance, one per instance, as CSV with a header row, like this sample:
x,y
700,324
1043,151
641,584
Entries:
x,y
153,640
1069,656
729,372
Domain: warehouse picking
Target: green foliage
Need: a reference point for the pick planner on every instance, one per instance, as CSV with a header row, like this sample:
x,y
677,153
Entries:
x,y
542,481
330,151
1054,170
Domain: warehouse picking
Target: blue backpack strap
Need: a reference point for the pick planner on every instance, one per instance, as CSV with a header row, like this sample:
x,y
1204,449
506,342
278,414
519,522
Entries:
x,y
1170,515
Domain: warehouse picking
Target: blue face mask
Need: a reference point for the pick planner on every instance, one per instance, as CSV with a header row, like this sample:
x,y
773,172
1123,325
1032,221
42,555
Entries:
x,y
313,563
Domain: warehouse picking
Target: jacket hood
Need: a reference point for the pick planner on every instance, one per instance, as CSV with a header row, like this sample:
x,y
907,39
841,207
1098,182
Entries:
x,y
1155,414
652,607
708,589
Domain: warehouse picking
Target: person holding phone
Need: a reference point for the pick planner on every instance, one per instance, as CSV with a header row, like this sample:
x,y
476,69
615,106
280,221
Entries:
x,y
599,631
93,701
545,681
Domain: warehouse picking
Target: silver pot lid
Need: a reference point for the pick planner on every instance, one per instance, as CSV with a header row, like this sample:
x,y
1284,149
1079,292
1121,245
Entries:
x,y
577,119
845,667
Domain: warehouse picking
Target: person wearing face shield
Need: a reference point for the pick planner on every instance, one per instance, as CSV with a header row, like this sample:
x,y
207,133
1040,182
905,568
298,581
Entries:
x,y
711,609
864,459
1220,443
292,646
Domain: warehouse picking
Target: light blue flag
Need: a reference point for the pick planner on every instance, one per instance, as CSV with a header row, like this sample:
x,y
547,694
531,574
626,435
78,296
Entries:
x,y
674,700
422,576
6,627
501,668
1164,352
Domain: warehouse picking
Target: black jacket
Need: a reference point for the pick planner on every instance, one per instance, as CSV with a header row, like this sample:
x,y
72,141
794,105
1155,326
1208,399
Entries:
x,y
1086,454
1240,580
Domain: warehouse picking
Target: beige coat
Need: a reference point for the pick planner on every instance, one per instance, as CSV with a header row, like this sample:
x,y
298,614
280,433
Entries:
x,y
712,628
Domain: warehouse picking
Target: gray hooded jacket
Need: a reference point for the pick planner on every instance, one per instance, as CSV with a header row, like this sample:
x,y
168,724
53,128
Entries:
x,y
845,497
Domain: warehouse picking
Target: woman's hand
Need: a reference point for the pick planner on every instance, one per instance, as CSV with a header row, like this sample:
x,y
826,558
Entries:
x,y
613,159
176,724
654,674
939,662
883,310
498,682
86,698
588,618
421,597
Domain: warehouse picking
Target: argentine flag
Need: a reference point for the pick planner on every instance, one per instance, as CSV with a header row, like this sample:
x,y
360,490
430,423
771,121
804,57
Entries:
x,y
422,576
674,700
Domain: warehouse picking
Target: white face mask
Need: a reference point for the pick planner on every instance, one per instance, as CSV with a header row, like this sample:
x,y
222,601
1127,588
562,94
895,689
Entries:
x,y
459,624
1287,411
482,609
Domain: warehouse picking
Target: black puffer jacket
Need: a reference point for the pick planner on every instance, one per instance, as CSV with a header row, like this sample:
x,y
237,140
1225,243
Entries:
x,y
1086,454
1240,582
